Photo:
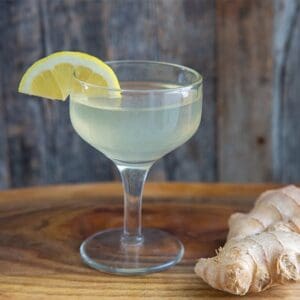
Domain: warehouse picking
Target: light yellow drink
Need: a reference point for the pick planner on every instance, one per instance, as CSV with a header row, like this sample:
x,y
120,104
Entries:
x,y
134,133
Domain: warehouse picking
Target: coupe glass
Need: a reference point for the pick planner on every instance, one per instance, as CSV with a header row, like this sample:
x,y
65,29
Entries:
x,y
157,109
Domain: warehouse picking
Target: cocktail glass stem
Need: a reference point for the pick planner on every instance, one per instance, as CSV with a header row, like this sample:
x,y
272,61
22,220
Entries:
x,y
133,180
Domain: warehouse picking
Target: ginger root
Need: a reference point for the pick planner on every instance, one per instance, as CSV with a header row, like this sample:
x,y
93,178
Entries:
x,y
262,248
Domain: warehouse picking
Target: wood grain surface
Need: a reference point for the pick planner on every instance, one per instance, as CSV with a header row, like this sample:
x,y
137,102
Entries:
x,y
41,230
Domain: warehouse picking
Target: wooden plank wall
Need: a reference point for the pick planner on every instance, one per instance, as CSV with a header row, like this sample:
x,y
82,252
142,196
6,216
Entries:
x,y
247,51
244,70
286,89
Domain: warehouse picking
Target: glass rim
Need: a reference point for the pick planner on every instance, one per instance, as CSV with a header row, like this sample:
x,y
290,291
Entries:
x,y
198,78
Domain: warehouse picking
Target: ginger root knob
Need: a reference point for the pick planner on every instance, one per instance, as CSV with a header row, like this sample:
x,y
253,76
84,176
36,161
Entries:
x,y
262,248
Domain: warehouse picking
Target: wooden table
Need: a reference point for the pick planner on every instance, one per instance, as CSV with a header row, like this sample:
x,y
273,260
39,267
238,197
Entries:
x,y
41,230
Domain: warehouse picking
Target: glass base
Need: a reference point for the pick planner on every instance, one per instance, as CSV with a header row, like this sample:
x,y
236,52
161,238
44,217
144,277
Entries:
x,y
106,252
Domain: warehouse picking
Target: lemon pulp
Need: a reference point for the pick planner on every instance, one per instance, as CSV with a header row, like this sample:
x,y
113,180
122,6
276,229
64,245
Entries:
x,y
51,76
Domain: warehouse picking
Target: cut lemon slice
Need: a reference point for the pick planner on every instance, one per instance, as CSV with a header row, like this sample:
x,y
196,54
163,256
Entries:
x,y
51,77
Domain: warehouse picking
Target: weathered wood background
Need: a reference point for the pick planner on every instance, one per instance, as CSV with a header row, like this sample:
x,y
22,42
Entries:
x,y
247,50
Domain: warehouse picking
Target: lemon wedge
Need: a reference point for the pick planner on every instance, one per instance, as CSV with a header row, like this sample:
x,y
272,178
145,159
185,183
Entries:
x,y
51,77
